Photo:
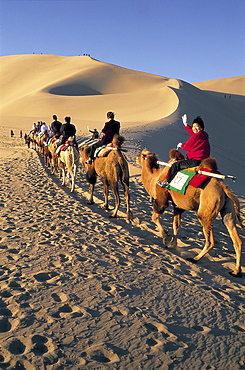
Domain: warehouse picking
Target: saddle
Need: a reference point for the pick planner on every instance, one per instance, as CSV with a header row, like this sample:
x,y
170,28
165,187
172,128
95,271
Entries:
x,y
103,150
189,176
67,144
52,140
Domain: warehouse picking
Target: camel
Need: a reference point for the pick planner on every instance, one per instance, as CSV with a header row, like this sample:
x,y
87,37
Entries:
x,y
112,168
68,162
27,140
41,142
33,139
214,198
53,160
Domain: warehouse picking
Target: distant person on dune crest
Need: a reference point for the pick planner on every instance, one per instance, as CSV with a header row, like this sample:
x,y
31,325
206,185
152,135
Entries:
x,y
197,147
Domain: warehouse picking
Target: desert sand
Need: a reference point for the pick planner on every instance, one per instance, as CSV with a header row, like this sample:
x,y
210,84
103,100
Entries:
x,y
79,290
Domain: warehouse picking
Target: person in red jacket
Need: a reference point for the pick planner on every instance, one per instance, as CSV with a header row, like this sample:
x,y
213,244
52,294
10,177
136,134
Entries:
x,y
197,147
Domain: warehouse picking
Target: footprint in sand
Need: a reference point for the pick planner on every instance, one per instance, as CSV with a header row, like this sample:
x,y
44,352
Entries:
x,y
60,297
69,311
5,357
14,285
64,258
109,288
154,343
39,345
46,277
119,311
125,263
16,347
161,328
102,355
8,324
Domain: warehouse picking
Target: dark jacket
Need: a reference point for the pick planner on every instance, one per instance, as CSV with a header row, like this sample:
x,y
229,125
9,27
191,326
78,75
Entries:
x,y
67,130
111,128
55,126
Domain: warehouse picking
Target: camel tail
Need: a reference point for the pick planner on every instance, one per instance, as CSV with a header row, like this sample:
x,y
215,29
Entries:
x,y
232,196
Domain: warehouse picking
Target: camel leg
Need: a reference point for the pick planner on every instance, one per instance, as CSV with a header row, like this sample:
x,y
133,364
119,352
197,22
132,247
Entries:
x,y
91,194
52,165
73,174
72,182
229,220
63,176
158,210
207,226
117,199
176,225
62,167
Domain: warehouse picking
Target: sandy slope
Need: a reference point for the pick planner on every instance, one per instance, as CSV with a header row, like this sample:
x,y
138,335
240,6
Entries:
x,y
38,85
82,291
34,87
79,290
231,85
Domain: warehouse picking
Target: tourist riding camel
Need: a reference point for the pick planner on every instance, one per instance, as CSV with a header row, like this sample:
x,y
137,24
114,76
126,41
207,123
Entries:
x,y
67,130
111,128
197,147
55,126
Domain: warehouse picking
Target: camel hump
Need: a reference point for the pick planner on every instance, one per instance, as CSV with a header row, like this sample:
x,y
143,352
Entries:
x,y
209,163
174,154
117,141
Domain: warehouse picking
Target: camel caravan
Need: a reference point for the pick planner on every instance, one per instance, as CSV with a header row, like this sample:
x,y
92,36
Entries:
x,y
204,192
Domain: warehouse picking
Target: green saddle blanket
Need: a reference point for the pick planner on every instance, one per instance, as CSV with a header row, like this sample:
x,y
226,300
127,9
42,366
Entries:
x,y
181,181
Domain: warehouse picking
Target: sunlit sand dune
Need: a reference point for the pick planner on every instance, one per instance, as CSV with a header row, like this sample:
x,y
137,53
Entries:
x,y
149,107
231,85
38,85
81,290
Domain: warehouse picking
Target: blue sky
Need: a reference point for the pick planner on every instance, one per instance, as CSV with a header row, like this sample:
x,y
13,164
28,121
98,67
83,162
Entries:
x,y
193,40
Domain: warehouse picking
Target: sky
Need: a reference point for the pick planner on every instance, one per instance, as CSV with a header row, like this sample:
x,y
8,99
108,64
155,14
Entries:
x,y
192,40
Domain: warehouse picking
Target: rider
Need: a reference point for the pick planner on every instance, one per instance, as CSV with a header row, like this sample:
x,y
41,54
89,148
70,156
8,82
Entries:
x,y
95,134
197,147
55,126
67,130
33,129
111,128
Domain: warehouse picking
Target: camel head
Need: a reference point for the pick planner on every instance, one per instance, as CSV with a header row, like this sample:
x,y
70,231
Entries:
x,y
84,153
148,159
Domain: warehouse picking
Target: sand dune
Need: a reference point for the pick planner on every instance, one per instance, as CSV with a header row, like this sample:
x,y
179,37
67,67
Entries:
x,y
79,290
34,87
231,85
84,87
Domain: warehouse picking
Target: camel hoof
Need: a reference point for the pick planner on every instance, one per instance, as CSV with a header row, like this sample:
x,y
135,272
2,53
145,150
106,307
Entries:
x,y
191,260
239,274
112,216
90,202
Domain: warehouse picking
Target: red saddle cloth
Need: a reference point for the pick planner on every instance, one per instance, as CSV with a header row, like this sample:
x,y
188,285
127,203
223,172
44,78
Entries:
x,y
64,147
198,180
